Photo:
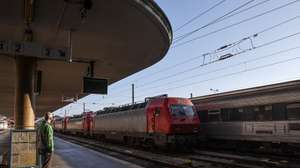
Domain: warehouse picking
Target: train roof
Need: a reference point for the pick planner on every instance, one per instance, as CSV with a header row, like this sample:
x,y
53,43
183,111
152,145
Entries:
x,y
279,92
121,108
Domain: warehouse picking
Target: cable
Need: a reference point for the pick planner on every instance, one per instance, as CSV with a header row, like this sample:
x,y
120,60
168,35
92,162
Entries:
x,y
279,24
229,16
224,68
280,39
212,22
199,15
187,70
229,74
251,49
235,24
233,44
199,56
241,52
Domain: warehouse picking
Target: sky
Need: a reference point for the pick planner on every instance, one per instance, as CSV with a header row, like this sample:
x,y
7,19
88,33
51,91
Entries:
x,y
262,35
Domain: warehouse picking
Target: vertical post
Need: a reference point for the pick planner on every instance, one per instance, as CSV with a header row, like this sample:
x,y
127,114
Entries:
x,y
24,104
70,59
83,107
132,93
191,95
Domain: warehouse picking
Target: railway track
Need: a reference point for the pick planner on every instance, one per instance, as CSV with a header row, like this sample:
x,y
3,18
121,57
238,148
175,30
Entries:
x,y
243,161
196,159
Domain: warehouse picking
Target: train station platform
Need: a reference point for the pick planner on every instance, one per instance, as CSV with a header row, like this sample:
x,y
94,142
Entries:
x,y
69,155
4,143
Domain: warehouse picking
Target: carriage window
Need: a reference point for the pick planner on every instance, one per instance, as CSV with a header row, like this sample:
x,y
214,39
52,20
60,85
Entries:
x,y
293,111
236,115
279,112
203,115
249,114
225,114
231,114
214,115
263,113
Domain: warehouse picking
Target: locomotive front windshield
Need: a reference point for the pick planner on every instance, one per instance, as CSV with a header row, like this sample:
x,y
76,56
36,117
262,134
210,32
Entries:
x,y
179,110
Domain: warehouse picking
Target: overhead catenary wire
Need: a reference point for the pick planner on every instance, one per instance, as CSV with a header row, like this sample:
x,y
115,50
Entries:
x,y
226,17
197,57
199,15
227,75
224,68
213,22
216,51
235,24
259,46
200,56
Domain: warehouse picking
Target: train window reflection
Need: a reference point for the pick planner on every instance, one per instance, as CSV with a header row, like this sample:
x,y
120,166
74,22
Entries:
x,y
293,111
249,114
225,113
214,115
264,113
278,112
203,115
179,110
231,115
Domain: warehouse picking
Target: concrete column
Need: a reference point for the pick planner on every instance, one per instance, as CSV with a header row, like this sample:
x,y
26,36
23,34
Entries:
x,y
24,104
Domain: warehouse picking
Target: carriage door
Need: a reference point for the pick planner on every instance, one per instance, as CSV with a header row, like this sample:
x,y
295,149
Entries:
x,y
156,119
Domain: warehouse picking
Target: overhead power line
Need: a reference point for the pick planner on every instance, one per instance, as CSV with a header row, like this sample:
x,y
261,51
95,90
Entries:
x,y
216,51
228,46
212,22
223,68
235,24
227,75
241,52
200,56
217,20
199,15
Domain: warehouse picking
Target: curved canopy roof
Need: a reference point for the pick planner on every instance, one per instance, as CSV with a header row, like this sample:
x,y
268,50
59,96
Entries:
x,y
121,37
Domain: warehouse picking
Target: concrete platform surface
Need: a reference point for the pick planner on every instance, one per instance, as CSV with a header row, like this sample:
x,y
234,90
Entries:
x,y
69,155
4,142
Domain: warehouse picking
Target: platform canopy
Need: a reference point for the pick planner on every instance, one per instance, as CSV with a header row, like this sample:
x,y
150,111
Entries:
x,y
120,37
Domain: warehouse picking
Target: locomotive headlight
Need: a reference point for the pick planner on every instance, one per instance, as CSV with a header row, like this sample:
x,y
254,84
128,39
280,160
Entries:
x,y
195,130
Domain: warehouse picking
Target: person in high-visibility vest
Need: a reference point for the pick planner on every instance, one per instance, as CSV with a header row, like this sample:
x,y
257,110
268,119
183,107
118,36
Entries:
x,y
46,142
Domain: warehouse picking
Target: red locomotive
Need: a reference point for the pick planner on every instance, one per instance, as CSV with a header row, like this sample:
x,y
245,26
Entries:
x,y
160,120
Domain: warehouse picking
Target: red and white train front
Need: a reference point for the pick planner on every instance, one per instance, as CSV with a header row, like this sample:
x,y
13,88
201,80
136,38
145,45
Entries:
x,y
174,119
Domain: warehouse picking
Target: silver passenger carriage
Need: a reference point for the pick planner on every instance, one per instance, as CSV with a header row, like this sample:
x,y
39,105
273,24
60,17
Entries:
x,y
268,114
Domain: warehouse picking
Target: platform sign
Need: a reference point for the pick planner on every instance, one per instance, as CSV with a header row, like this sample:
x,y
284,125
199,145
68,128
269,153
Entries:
x,y
23,150
94,85
31,49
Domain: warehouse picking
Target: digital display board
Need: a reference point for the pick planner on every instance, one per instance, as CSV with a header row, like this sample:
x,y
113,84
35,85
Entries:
x,y
94,85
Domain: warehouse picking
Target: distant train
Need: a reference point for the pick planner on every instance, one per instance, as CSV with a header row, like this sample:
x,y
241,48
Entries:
x,y
263,114
159,120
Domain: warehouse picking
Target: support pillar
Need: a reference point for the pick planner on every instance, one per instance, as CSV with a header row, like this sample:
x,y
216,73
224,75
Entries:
x,y
24,104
